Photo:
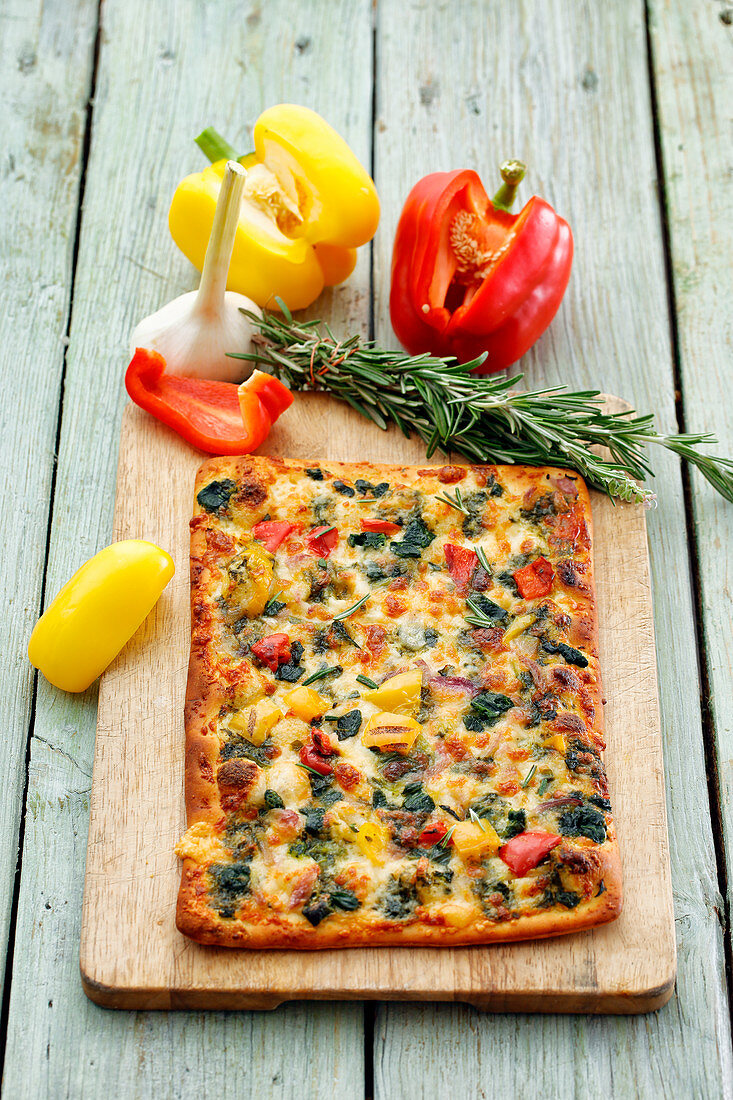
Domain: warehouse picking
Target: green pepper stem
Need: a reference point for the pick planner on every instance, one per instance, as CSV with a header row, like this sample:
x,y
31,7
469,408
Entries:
x,y
512,174
214,146
214,274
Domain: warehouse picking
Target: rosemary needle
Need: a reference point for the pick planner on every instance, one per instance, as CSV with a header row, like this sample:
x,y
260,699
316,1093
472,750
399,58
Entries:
x,y
350,610
484,419
322,673
455,501
483,560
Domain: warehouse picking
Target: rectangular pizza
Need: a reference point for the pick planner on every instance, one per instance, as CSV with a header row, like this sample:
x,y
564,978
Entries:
x,y
394,726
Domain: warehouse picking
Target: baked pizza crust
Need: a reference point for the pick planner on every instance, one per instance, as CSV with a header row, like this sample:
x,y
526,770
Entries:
x,y
208,692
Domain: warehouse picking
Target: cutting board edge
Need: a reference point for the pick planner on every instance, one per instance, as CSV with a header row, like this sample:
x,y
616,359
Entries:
x,y
612,1002
646,998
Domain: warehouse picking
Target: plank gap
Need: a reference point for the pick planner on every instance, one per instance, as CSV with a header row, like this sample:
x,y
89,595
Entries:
x,y
10,953
373,162
706,715
370,1016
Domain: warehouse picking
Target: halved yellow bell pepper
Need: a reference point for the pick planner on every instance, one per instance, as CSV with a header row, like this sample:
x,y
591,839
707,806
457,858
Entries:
x,y
308,205
97,612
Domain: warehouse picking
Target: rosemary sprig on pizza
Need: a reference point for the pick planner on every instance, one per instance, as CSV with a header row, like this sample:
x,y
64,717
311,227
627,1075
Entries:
x,y
394,718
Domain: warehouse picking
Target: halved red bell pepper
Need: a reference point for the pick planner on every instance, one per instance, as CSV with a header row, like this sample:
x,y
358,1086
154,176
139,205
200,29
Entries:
x,y
461,564
535,579
273,650
213,416
468,277
271,533
527,850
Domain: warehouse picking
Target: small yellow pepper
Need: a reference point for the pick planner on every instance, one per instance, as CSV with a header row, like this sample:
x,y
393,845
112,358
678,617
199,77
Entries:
x,y
97,612
308,205
249,580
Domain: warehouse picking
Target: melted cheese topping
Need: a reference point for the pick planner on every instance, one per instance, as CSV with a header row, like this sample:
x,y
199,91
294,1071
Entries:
x,y
505,701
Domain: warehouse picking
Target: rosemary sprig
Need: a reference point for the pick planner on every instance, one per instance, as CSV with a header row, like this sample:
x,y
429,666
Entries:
x,y
528,777
367,682
477,617
483,560
322,673
484,419
311,770
544,784
477,820
455,501
350,610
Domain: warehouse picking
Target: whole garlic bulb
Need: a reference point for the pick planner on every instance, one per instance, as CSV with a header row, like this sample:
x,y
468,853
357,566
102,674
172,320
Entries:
x,y
195,331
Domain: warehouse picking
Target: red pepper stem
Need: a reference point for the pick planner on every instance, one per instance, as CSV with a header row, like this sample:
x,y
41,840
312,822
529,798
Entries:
x,y
512,174
210,298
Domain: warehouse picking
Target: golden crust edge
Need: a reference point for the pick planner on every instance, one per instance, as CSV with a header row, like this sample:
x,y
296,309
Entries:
x,y
202,925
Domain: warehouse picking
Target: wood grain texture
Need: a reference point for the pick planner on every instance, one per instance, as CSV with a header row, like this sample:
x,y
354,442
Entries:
x,y
692,50
566,87
165,71
131,953
45,76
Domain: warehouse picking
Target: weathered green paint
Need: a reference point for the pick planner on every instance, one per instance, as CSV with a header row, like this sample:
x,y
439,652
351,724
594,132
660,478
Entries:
x,y
567,89
45,76
163,75
580,137
696,126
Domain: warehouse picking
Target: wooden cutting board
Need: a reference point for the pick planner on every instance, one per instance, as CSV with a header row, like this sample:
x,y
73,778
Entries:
x,y
132,956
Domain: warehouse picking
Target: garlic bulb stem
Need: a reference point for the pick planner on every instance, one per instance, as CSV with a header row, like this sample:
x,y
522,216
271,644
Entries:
x,y
210,296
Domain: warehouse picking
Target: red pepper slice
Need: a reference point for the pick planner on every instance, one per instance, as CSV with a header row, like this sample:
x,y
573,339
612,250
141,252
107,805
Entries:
x,y
321,540
431,835
310,756
565,528
382,526
263,390
461,564
535,579
323,743
468,277
273,650
209,415
525,851
271,533
205,413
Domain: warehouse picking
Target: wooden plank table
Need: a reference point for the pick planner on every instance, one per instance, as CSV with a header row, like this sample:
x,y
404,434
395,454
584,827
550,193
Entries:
x,y
623,112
